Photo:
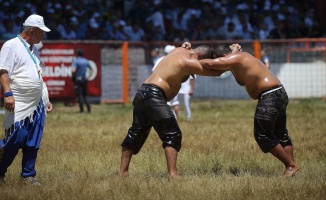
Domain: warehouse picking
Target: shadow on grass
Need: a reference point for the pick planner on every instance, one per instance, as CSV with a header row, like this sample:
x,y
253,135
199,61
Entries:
x,y
255,171
216,169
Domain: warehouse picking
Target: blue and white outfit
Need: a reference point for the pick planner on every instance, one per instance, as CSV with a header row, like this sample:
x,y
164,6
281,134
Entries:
x,y
185,97
265,59
24,126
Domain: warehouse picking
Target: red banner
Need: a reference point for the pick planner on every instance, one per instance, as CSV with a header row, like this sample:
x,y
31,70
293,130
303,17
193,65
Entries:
x,y
57,73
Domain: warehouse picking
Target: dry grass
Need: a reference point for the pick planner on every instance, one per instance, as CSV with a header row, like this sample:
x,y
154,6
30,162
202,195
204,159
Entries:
x,y
80,156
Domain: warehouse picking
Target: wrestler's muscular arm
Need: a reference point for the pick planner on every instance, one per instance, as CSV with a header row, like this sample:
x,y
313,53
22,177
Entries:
x,y
194,66
222,63
219,65
225,62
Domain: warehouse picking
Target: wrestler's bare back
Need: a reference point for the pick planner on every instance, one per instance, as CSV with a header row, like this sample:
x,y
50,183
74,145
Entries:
x,y
174,69
247,70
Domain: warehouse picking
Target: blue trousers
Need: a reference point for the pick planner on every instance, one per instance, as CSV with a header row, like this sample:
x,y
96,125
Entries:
x,y
25,135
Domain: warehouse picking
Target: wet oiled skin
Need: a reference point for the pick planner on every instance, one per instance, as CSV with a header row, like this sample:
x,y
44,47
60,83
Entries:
x,y
175,68
247,70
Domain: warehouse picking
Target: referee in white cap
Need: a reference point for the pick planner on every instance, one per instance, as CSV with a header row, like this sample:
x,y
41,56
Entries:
x,y
26,98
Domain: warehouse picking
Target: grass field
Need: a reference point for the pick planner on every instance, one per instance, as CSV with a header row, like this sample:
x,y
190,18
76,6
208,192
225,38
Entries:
x,y
80,156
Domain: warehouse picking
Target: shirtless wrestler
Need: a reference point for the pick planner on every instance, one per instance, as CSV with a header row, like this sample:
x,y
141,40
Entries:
x,y
270,129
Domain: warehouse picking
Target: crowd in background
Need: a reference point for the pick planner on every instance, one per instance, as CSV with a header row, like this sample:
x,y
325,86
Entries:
x,y
165,20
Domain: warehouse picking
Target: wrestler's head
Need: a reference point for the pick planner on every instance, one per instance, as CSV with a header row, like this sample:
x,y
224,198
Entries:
x,y
203,51
221,50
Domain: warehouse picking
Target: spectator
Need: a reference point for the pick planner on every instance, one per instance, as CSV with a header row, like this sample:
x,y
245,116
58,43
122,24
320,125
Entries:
x,y
82,27
54,33
102,33
93,30
61,27
262,32
171,16
244,27
184,95
136,33
155,54
317,30
214,31
302,31
116,33
232,17
197,33
192,22
265,58
247,33
230,33
18,21
157,19
69,33
279,32
149,30
9,31
127,29
181,37
77,28
80,66
178,24
269,20
158,34
141,11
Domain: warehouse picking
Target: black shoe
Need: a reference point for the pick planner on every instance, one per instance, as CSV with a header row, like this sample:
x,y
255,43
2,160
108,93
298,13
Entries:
x,y
1,153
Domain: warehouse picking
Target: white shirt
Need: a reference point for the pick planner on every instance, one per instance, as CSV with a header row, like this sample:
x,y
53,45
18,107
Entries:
x,y
157,61
14,58
185,86
25,78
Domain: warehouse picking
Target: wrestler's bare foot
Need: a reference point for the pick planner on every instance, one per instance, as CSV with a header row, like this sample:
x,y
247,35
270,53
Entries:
x,y
174,176
124,174
290,171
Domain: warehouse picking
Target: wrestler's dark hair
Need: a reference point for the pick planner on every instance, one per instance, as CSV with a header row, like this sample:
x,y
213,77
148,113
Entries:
x,y
220,50
204,51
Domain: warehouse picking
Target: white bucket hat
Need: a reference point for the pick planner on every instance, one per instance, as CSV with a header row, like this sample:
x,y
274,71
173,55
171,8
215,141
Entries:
x,y
168,48
36,21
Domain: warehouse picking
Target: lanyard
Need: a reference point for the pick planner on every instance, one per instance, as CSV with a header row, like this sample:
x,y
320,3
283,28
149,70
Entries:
x,y
30,54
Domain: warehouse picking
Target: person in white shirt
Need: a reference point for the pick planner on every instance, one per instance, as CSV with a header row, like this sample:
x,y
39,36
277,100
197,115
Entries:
x,y
26,99
184,95
265,58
